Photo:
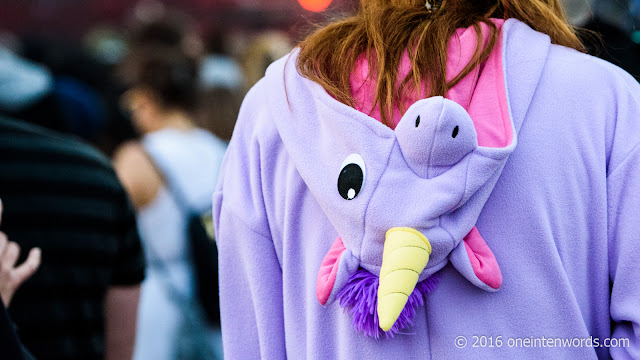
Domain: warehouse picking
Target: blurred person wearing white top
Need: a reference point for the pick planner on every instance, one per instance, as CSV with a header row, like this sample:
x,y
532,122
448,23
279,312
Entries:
x,y
172,156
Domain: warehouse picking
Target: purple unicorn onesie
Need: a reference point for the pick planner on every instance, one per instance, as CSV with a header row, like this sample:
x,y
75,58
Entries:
x,y
504,210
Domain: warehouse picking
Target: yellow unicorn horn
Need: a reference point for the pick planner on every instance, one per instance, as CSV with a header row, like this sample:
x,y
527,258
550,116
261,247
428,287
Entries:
x,y
406,254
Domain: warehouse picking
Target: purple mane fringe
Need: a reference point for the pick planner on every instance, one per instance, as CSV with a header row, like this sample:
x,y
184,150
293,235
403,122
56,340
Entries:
x,y
360,297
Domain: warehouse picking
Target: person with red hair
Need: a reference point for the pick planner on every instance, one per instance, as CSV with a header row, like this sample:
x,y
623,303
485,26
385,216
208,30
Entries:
x,y
443,179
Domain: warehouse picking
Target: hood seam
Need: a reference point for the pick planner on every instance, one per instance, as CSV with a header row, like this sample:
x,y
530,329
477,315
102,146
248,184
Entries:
x,y
366,209
433,143
466,180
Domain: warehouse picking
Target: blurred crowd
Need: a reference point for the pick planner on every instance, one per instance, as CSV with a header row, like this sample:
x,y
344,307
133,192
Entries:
x,y
78,85
158,98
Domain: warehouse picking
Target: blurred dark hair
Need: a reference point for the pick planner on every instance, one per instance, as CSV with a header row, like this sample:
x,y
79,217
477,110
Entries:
x,y
171,29
159,33
218,110
167,73
167,29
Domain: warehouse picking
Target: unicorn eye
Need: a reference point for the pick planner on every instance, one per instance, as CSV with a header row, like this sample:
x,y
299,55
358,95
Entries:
x,y
455,132
351,176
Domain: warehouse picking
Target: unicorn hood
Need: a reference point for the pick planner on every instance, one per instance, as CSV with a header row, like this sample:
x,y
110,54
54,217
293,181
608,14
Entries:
x,y
320,201
403,201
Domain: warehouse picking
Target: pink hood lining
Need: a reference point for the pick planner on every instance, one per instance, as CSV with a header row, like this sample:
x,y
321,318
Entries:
x,y
482,93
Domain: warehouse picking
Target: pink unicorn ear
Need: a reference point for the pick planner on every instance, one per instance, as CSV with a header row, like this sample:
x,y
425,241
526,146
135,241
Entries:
x,y
328,271
334,272
476,262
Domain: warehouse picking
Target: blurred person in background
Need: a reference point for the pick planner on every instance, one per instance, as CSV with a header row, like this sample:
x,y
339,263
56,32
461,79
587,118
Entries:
x,y
63,197
221,88
11,278
611,21
27,91
53,84
108,46
261,52
153,24
615,12
169,173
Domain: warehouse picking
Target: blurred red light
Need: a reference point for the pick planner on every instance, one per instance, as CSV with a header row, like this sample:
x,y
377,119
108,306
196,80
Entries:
x,y
315,5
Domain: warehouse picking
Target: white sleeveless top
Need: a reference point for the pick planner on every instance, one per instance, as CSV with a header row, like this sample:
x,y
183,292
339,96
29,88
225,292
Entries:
x,y
190,160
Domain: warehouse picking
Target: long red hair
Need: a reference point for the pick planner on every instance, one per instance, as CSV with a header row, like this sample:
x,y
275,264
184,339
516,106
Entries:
x,y
385,29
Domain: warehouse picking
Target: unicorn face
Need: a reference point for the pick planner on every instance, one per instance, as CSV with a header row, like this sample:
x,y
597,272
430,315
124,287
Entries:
x,y
416,209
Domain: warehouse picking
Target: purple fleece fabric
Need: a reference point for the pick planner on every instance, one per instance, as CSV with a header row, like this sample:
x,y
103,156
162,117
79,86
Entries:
x,y
561,219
